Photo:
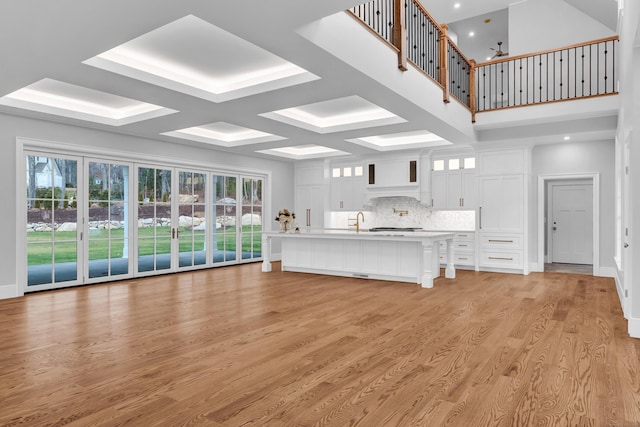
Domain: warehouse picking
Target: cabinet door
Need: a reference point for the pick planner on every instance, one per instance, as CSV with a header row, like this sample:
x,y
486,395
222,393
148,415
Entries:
x,y
501,203
357,198
439,190
454,185
490,201
337,201
512,207
469,185
309,197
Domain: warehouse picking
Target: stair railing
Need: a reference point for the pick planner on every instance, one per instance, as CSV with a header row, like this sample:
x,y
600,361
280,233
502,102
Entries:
x,y
573,72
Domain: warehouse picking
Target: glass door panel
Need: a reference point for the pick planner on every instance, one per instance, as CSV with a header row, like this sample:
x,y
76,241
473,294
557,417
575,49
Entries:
x,y
108,219
223,231
192,220
154,219
52,221
251,230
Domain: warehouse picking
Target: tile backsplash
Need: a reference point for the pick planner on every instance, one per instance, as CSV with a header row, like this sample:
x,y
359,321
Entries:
x,y
380,213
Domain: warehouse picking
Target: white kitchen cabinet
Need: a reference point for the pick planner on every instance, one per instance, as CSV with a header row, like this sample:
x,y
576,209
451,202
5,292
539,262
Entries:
x,y
439,190
309,197
454,183
502,210
347,187
464,250
501,250
501,205
309,194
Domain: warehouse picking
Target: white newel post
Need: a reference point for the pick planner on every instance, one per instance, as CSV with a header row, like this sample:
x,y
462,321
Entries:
x,y
450,271
266,253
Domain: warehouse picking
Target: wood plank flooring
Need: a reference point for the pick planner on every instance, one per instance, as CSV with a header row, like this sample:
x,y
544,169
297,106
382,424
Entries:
x,y
234,346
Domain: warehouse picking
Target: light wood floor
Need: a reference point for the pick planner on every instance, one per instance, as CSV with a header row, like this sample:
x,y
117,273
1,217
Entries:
x,y
234,346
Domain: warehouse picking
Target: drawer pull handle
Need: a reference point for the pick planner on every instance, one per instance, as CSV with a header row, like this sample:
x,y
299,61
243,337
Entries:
x,y
463,246
463,259
500,241
462,235
502,259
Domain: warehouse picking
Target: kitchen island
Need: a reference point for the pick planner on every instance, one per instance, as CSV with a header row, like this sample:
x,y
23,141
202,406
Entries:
x,y
398,256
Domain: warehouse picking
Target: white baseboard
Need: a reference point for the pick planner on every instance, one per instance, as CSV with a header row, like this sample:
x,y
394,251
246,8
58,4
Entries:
x,y
9,291
634,327
534,267
607,272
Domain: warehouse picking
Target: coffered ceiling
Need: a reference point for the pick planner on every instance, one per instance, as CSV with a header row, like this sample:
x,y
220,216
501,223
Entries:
x,y
234,76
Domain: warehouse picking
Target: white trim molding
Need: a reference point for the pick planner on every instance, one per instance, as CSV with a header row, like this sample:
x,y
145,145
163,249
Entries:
x,y
10,291
634,327
595,178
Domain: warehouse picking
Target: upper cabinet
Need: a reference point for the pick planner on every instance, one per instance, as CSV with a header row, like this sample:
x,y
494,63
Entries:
x,y
347,186
454,182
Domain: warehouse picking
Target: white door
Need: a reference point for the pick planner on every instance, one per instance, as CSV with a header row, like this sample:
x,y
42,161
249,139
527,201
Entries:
x,y
571,223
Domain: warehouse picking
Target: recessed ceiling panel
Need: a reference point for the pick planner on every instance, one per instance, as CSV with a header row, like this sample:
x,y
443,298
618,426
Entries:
x,y
192,56
224,134
336,115
77,102
401,141
303,152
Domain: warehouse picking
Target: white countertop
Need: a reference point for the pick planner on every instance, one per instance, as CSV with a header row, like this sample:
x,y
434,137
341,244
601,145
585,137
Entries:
x,y
363,234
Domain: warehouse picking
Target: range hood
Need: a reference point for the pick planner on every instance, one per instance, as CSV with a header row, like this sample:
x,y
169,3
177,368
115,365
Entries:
x,y
373,192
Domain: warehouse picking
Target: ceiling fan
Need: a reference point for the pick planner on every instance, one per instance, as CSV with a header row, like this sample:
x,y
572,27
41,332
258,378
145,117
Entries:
x,y
498,51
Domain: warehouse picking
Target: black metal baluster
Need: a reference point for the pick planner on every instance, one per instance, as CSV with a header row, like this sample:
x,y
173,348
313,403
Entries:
x,y
606,68
598,68
582,72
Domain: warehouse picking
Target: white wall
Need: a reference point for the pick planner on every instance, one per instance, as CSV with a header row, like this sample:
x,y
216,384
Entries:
x,y
536,25
575,158
629,118
14,126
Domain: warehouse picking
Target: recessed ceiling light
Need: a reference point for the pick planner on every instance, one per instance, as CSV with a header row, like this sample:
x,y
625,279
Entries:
x,y
335,115
471,34
400,141
302,152
224,134
456,5
566,138
193,56
488,58
77,102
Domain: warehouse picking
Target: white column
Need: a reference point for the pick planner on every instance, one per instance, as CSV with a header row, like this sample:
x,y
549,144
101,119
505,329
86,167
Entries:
x,y
427,263
450,271
266,253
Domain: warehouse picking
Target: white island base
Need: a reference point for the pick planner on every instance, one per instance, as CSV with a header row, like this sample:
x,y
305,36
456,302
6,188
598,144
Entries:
x,y
405,257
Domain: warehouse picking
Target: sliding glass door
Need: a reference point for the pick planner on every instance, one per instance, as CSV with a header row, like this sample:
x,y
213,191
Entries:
x,y
108,227
192,223
225,212
92,219
251,220
155,231
52,234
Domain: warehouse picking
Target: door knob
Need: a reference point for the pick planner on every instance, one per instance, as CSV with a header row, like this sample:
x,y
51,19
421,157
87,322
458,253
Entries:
x,y
626,245
554,228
